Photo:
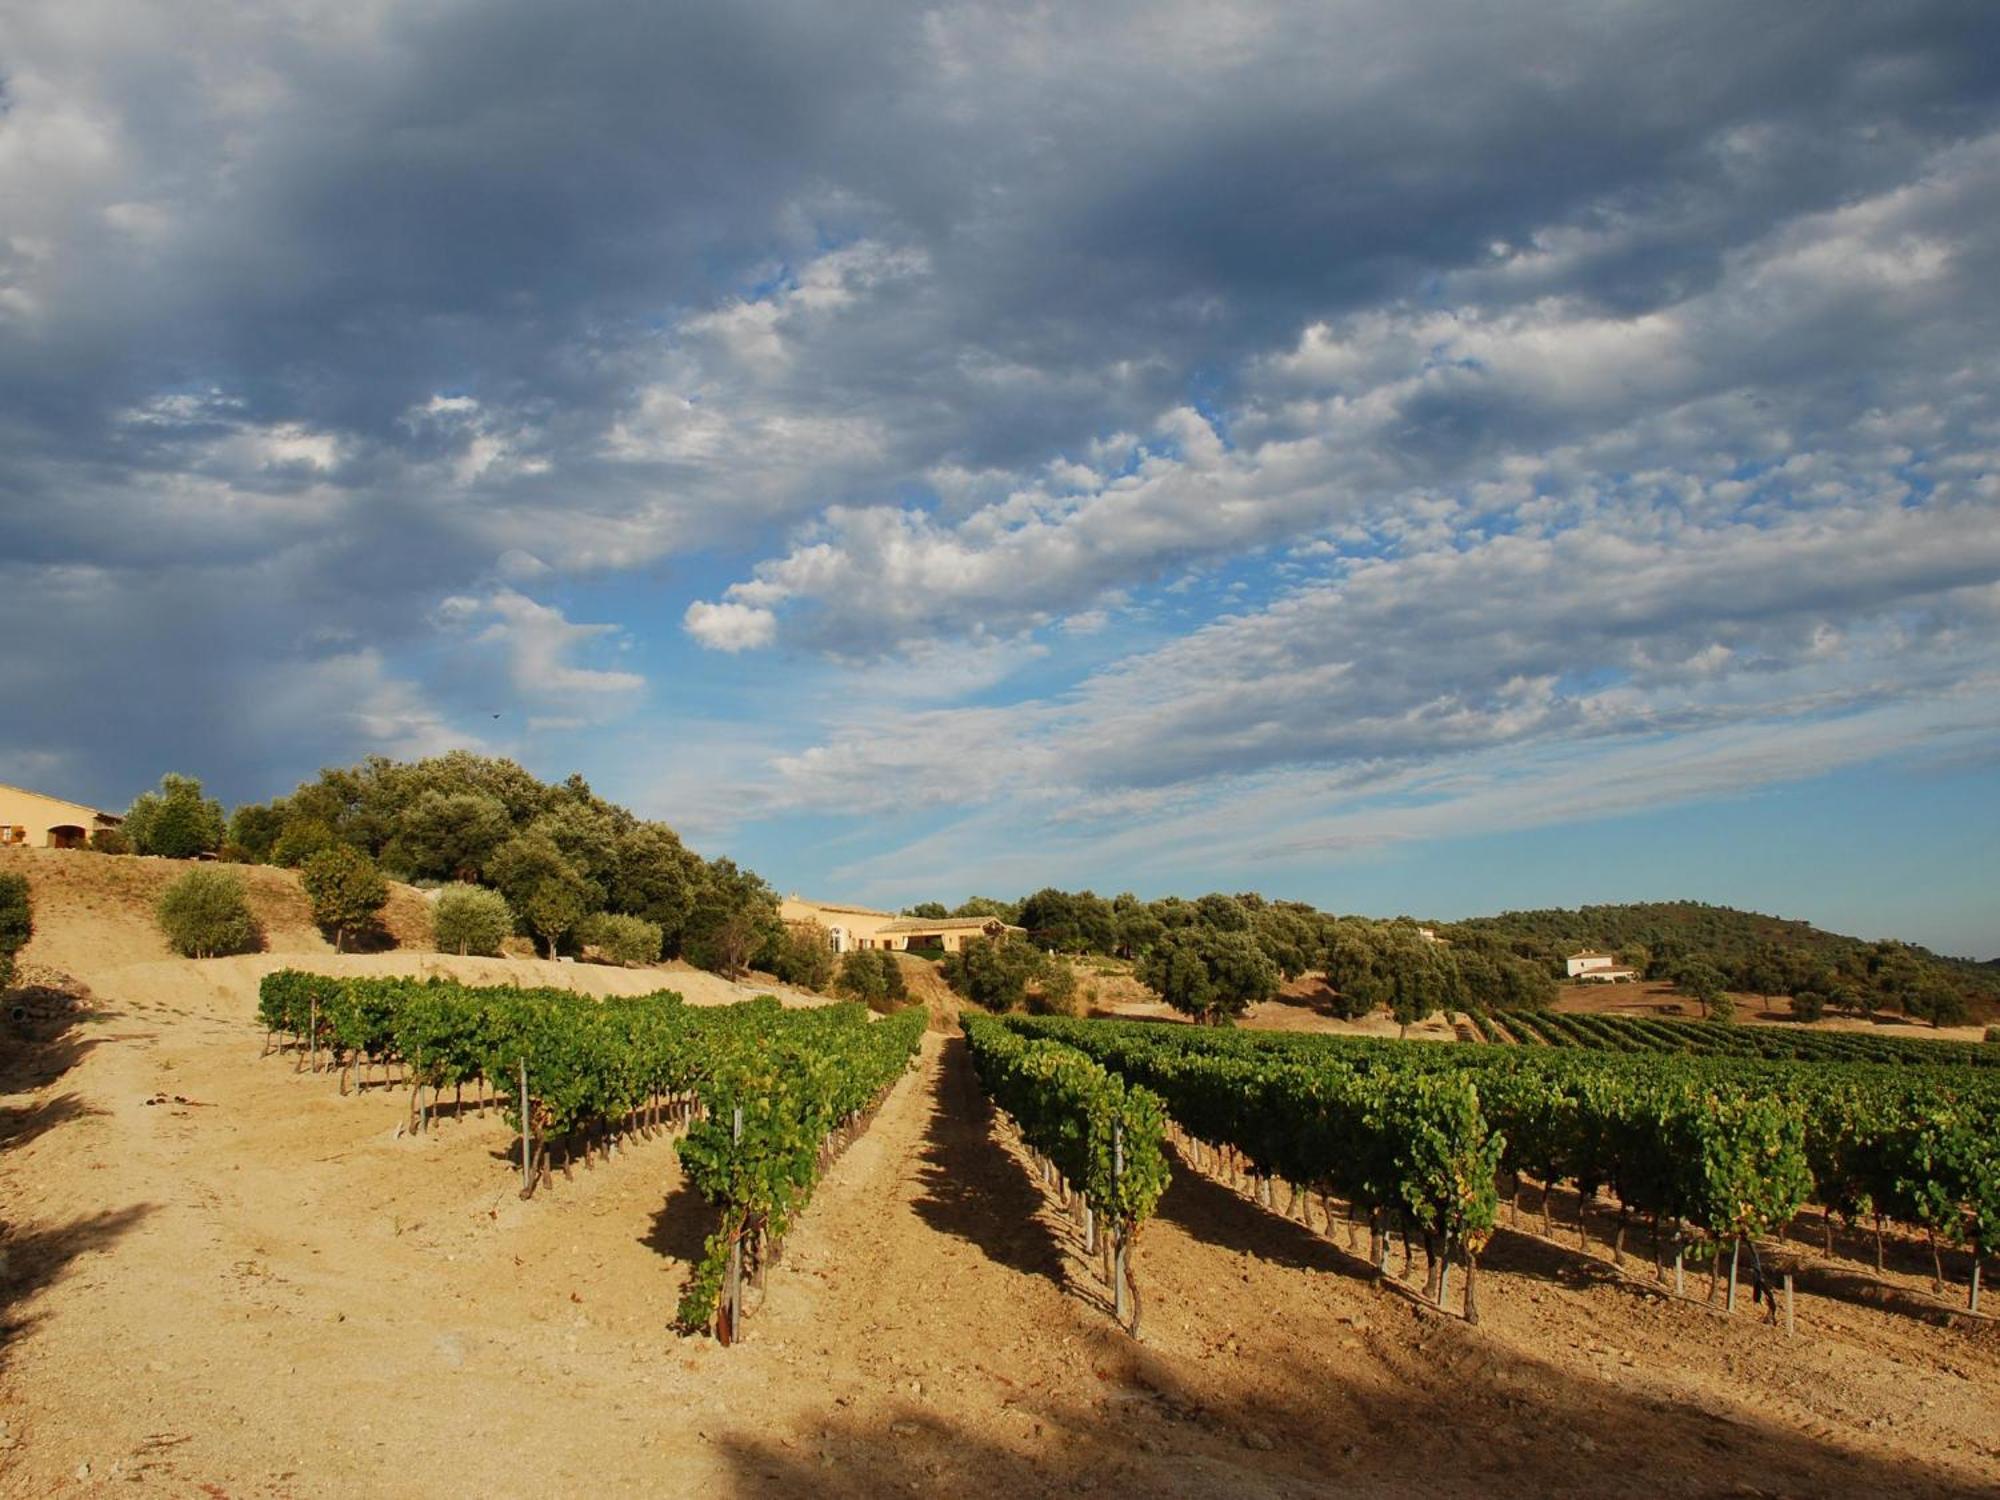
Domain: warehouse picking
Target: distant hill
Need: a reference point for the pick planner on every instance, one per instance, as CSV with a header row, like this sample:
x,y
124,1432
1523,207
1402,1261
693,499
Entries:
x,y
1758,952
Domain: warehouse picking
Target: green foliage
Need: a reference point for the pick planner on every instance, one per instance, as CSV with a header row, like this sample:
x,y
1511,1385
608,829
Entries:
x,y
805,957
255,828
204,914
176,821
301,840
1209,973
1105,1136
995,973
471,919
17,922
555,906
1701,981
1993,1034
873,977
733,920
449,835
623,940
1755,954
1722,1006
1808,1006
926,909
346,891
110,841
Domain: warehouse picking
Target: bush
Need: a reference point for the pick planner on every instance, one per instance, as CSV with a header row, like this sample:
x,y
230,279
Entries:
x,y
471,919
17,922
1993,1034
804,956
623,940
347,892
1054,993
110,841
204,915
1808,1006
1722,1007
860,978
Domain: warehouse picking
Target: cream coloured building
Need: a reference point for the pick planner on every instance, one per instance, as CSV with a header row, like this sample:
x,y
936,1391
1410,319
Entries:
x,y
852,927
48,822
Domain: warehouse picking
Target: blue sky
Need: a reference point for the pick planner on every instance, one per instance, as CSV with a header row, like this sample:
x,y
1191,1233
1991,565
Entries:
x,y
1419,461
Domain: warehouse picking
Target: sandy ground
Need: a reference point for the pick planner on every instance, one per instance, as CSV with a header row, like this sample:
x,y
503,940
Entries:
x,y
263,1291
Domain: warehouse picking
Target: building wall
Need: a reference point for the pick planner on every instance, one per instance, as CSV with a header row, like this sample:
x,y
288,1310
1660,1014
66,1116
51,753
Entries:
x,y
1585,965
48,822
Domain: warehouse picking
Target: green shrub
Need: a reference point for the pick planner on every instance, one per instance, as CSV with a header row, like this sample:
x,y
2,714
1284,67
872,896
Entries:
x,y
1993,1034
471,919
17,922
347,892
1808,1006
110,841
623,940
804,956
860,978
204,914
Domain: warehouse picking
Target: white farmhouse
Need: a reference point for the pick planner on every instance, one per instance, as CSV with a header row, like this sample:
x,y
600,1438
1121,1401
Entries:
x,y
1599,967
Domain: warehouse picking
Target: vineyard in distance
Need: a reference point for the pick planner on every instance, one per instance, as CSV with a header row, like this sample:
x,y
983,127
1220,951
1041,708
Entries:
x,y
302,1222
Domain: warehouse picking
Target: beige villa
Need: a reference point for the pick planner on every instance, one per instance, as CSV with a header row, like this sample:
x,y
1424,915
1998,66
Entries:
x,y
48,822
852,927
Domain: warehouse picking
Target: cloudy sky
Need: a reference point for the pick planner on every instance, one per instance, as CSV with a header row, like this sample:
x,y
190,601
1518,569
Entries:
x,y
1425,458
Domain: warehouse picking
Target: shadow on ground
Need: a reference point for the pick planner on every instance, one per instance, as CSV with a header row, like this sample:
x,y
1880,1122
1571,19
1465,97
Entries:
x,y
973,1189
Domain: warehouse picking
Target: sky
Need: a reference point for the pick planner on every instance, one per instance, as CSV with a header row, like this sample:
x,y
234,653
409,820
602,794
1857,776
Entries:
x,y
1428,458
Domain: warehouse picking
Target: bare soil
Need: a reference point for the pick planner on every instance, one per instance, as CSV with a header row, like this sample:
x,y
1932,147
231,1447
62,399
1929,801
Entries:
x,y
254,1287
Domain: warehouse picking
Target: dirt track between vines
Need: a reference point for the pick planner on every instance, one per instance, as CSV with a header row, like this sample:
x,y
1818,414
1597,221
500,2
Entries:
x,y
266,1293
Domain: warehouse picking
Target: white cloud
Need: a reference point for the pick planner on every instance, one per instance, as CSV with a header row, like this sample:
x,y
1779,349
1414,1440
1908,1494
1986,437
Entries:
x,y
730,627
539,644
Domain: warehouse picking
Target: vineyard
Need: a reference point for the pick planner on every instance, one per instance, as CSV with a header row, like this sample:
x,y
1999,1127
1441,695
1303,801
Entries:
x,y
1716,1038
1706,1154
766,1096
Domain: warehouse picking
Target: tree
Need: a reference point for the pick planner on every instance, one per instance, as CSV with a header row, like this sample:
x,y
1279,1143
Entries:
x,y
1809,1006
1935,1000
347,892
735,917
993,972
256,827
555,906
110,841
205,914
176,821
932,909
1208,973
1722,1006
450,835
525,862
471,919
301,840
657,877
1702,981
17,923
622,939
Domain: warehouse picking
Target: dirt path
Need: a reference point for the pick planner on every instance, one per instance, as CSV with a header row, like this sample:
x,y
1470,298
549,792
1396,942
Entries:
x,y
266,1292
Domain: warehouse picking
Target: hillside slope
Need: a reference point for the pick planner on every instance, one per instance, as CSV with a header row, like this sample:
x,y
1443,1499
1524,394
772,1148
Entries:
x,y
95,911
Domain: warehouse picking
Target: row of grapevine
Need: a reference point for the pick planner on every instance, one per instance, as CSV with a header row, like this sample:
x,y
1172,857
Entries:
x,y
1413,1144
1716,1038
768,1095
1103,1137
1708,1149
780,1105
